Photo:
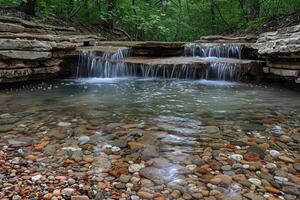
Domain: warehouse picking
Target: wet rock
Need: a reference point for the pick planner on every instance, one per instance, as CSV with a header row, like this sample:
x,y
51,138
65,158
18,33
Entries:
x,y
257,150
135,167
145,195
238,143
80,198
286,159
119,168
20,141
291,190
16,197
64,124
251,156
124,178
217,146
149,152
50,149
154,174
253,196
297,167
76,155
135,145
221,179
161,163
36,178
277,131
255,181
226,167
146,183
60,133
84,139
67,192
118,143
237,157
274,153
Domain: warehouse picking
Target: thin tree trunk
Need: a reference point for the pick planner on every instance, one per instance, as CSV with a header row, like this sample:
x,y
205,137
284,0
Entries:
x,y
213,18
29,7
254,9
111,4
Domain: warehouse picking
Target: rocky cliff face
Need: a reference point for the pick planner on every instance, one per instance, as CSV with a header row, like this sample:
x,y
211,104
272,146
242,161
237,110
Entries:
x,y
32,51
281,49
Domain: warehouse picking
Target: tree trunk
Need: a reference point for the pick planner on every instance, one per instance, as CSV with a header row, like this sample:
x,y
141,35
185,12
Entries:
x,y
111,4
29,7
213,18
254,9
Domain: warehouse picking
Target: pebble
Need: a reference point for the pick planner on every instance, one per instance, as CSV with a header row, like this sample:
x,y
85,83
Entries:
x,y
271,166
286,159
274,153
297,167
84,139
64,124
36,178
237,157
135,167
67,192
145,195
255,181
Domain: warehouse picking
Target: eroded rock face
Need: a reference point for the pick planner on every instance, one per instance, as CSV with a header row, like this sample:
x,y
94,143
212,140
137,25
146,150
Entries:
x,y
27,53
282,50
17,44
13,28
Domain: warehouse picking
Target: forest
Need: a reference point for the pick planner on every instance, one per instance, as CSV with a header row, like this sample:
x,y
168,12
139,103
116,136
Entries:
x,y
163,20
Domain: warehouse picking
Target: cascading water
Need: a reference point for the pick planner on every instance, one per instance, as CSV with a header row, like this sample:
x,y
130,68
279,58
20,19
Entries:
x,y
107,65
217,70
113,64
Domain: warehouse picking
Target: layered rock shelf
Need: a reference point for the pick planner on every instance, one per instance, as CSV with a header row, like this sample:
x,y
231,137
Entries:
x,y
34,51
281,49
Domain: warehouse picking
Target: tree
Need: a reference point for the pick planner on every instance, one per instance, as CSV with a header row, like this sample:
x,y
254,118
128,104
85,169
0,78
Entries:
x,y
29,7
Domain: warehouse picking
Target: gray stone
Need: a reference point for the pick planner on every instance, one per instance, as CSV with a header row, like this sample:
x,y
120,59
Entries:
x,y
149,152
154,174
293,190
13,28
67,192
6,127
253,196
297,167
20,141
226,167
31,45
124,178
25,55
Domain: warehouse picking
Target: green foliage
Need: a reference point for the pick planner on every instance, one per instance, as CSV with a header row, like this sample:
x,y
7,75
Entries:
x,y
170,20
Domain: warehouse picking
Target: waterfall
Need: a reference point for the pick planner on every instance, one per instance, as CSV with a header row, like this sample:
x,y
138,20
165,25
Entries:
x,y
219,51
217,70
113,64
107,65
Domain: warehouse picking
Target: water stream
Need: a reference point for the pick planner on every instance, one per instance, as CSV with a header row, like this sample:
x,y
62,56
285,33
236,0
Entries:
x,y
112,64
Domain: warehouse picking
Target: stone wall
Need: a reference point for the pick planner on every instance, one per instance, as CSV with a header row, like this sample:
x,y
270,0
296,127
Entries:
x,y
281,50
32,51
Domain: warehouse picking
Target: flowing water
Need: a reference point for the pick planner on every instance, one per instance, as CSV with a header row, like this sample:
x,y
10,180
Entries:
x,y
94,129
111,65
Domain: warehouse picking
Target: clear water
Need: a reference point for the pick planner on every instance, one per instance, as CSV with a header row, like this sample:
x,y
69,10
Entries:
x,y
174,119
144,99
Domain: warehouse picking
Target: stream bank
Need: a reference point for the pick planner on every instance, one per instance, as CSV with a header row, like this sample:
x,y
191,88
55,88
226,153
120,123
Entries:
x,y
31,51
